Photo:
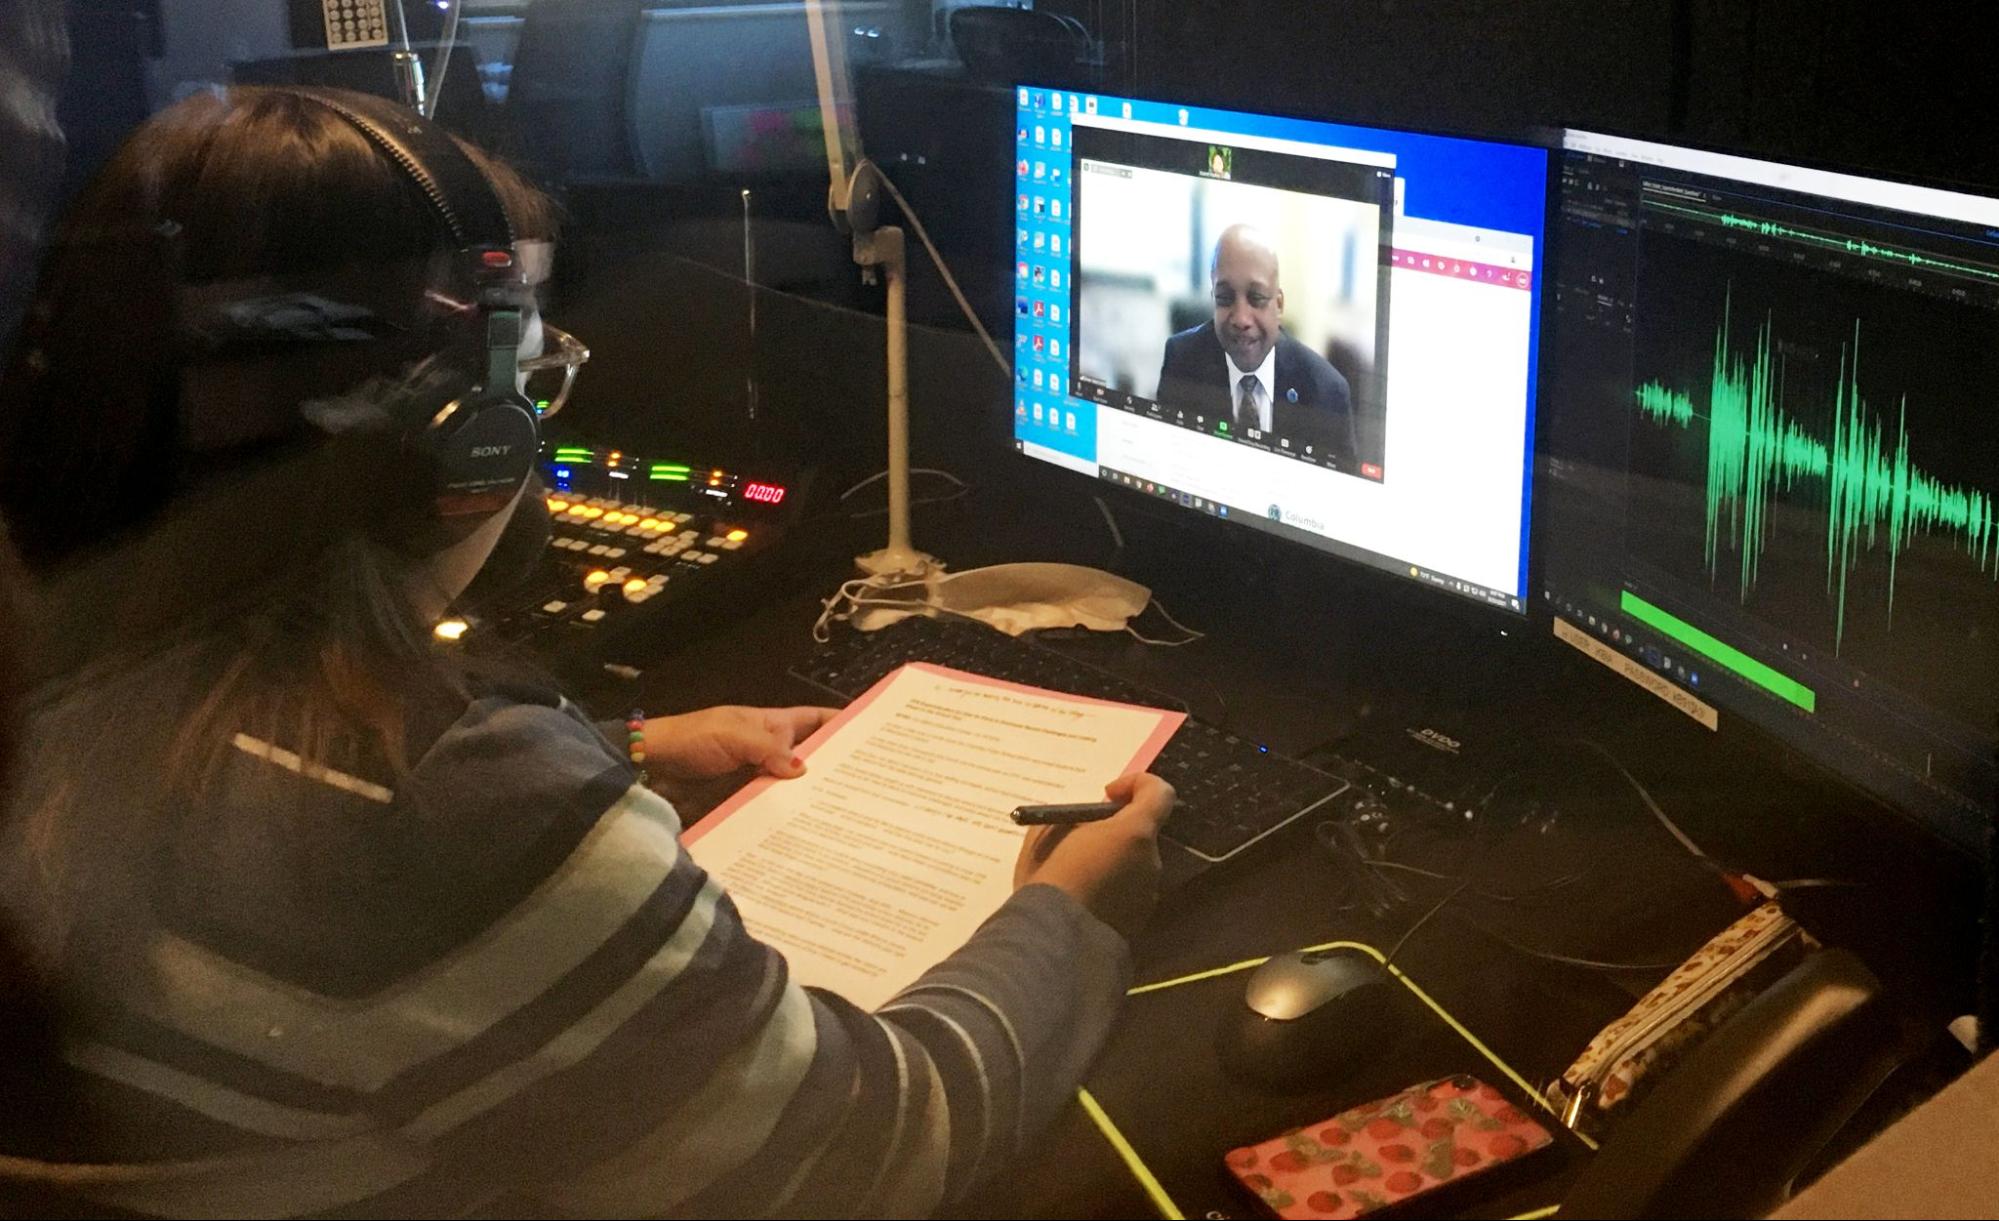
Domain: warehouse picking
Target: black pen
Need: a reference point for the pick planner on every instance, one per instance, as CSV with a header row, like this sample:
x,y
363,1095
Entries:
x,y
1064,815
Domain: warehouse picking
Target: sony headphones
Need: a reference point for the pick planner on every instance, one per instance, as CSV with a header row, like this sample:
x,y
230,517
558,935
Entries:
x,y
473,434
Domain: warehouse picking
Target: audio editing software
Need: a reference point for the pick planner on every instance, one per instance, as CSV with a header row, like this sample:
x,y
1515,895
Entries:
x,y
1774,443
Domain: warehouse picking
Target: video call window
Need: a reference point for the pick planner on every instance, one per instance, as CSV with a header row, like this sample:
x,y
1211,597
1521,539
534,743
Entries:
x,y
1239,292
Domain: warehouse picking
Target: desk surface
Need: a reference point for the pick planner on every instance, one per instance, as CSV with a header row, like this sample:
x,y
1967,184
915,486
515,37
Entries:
x,y
1639,901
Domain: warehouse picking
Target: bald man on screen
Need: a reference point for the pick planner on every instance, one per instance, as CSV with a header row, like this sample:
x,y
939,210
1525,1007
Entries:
x,y
1241,367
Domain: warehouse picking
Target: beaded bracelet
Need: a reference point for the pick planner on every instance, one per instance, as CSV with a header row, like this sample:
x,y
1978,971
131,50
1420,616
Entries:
x,y
635,726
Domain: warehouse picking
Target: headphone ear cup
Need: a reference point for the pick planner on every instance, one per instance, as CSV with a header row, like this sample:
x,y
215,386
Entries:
x,y
481,454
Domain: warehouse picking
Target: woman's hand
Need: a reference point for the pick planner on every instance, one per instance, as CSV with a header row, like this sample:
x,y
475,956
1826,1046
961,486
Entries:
x,y
717,741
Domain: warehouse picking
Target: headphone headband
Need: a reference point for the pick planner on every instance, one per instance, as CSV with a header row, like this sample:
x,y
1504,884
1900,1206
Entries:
x,y
456,187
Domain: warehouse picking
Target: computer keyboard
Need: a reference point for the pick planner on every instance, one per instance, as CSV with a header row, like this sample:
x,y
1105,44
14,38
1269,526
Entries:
x,y
1233,792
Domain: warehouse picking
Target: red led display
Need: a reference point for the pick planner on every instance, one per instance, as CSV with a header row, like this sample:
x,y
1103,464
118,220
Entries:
x,y
763,493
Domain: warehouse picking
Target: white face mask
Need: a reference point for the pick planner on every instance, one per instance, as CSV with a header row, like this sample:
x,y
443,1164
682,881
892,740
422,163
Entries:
x,y
451,570
533,340
1017,598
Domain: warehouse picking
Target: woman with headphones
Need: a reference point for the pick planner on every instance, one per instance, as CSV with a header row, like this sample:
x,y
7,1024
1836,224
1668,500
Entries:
x,y
346,925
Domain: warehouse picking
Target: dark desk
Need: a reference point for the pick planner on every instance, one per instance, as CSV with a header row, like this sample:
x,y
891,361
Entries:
x,y
1284,675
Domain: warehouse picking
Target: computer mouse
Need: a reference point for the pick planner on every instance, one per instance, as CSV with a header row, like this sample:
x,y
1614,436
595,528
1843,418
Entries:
x,y
1309,1017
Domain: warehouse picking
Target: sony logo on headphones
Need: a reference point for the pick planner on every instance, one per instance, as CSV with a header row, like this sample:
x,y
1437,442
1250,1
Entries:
x,y
491,451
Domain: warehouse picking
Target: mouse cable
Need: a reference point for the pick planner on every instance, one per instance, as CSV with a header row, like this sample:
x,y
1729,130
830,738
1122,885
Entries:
x,y
944,269
1729,873
1412,930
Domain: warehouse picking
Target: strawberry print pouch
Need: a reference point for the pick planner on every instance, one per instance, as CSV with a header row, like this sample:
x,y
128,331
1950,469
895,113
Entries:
x,y
1384,1153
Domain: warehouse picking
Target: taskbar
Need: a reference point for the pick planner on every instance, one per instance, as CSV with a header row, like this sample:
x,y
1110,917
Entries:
x,y
1285,525
1220,428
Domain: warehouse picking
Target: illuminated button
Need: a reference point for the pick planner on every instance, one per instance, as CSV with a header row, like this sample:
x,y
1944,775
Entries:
x,y
737,536
692,556
640,596
557,505
593,513
651,523
683,518
635,585
620,573
732,545
656,580
615,553
596,580
579,510
655,548
600,549
451,629
709,557
713,541
591,616
555,608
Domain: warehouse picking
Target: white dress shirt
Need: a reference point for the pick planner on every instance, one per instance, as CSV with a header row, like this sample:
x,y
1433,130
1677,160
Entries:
x,y
1266,383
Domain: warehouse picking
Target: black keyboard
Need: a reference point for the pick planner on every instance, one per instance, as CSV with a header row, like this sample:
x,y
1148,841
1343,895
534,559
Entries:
x,y
1233,792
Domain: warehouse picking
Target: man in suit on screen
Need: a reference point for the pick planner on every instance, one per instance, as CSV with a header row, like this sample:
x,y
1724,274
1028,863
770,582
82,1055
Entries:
x,y
1242,367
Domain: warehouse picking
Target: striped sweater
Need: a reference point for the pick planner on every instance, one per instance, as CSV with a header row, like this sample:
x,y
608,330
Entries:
x,y
502,983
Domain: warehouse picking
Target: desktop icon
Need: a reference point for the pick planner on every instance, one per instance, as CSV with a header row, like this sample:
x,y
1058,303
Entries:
x,y
1037,413
1023,97
1069,418
1054,312
1055,347
1041,307
1022,167
1055,243
1041,205
1040,240
1055,137
1022,205
1127,110
1040,170
1055,277
1040,134
1041,275
1020,237
1090,105
1040,379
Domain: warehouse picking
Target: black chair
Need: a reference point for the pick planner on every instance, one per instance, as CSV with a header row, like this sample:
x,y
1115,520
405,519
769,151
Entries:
x,y
1006,46
569,97
1731,1129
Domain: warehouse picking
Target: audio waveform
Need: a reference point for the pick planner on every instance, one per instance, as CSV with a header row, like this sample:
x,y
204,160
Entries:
x,y
1875,494
1829,241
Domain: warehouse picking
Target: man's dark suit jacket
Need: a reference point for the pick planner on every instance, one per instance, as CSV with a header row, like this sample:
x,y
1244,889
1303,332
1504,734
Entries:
x,y
1312,407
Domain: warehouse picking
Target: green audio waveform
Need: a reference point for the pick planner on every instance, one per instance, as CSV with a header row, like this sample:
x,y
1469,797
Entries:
x,y
1756,449
1828,241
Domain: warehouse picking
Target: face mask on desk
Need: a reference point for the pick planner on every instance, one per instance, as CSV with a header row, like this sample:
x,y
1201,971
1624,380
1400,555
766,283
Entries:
x,y
1014,598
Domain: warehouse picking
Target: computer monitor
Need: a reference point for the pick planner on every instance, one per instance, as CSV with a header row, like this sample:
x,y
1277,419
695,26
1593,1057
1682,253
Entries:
x,y
1380,290
1770,440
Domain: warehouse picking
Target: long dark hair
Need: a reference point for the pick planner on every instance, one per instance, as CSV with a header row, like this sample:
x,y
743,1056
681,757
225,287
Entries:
x,y
209,557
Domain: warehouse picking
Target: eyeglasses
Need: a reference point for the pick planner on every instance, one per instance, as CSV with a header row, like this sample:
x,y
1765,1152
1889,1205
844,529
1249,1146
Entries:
x,y
552,375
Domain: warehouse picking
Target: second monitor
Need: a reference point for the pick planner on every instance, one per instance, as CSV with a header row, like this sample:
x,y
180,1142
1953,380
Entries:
x,y
1321,331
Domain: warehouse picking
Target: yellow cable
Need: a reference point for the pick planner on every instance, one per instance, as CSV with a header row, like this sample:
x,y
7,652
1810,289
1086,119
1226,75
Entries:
x,y
1150,1182
1136,1164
